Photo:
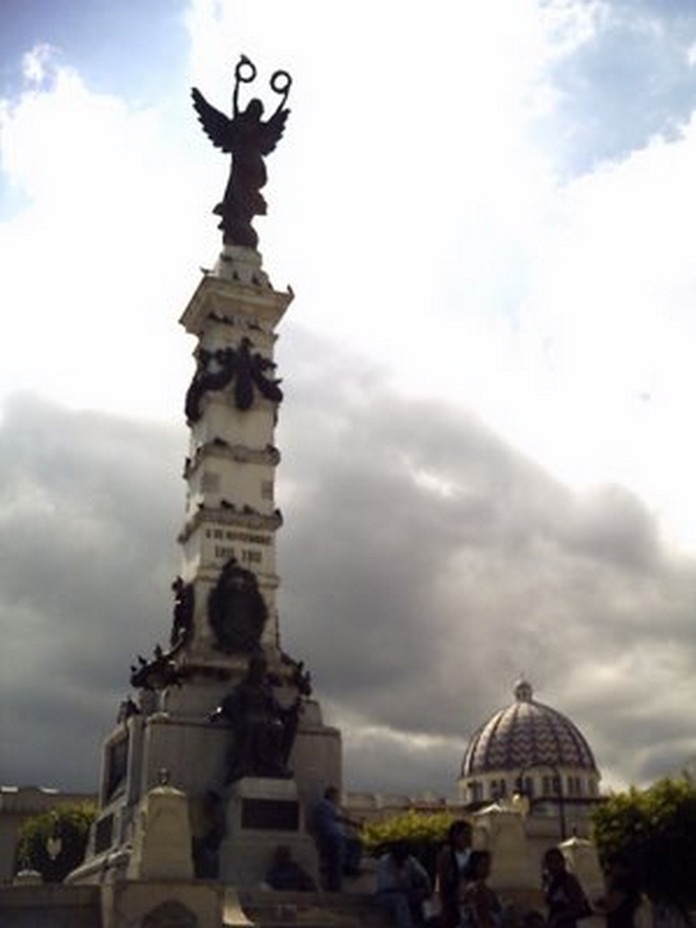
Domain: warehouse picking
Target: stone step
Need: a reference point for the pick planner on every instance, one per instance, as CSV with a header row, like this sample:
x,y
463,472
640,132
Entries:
x,y
327,923
270,909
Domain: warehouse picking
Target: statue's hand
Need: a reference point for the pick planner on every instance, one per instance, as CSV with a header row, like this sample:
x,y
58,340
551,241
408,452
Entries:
x,y
251,73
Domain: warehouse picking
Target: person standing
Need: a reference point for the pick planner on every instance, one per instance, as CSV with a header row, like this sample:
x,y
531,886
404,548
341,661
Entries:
x,y
451,864
403,885
565,900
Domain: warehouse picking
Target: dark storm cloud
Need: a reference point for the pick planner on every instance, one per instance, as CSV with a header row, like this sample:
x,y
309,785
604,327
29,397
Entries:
x,y
87,521
425,565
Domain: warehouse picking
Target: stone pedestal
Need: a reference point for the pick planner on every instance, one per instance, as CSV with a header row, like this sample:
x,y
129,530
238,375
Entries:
x,y
582,860
152,904
162,837
502,831
262,813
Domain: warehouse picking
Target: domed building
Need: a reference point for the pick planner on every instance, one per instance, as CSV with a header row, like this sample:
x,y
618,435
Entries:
x,y
533,754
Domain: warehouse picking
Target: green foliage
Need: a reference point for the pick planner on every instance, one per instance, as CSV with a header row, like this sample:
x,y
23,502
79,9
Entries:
x,y
424,832
656,829
37,848
414,827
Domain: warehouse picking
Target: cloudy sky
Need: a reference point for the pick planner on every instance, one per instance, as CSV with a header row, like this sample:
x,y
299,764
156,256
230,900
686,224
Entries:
x,y
487,214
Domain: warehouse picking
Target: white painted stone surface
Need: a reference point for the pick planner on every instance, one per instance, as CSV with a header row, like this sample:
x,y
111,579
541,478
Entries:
x,y
502,831
162,837
582,860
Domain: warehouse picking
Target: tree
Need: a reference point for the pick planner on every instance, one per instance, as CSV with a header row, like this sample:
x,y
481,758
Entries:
x,y
424,832
54,842
656,830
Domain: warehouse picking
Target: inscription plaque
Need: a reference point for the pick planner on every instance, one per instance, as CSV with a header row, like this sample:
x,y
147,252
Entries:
x,y
271,814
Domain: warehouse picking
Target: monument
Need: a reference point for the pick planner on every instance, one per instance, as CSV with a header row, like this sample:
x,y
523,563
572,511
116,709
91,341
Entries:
x,y
221,747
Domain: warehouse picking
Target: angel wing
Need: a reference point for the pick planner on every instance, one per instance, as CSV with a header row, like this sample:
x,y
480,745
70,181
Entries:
x,y
272,131
216,125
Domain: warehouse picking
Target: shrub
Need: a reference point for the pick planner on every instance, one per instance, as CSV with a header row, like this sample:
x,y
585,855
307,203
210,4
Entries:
x,y
424,832
54,842
656,829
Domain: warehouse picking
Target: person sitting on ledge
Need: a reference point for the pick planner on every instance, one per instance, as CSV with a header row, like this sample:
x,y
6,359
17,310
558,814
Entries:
x,y
339,853
286,874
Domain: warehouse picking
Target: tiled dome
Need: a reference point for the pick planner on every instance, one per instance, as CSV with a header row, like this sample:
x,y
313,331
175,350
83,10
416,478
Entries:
x,y
526,735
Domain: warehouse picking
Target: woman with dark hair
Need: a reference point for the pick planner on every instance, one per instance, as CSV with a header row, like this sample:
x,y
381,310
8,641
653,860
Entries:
x,y
451,864
565,900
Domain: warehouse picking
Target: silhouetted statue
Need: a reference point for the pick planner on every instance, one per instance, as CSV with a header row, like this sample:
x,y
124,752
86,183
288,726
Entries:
x,y
182,625
160,672
264,731
248,139
215,370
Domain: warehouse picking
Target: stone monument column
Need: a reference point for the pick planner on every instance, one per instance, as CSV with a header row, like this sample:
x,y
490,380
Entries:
x,y
226,590
221,711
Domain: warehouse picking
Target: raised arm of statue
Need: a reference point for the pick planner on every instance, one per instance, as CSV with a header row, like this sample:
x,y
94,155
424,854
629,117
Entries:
x,y
241,78
281,88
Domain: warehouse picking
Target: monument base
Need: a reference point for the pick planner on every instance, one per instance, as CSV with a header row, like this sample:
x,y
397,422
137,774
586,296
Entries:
x,y
250,818
262,814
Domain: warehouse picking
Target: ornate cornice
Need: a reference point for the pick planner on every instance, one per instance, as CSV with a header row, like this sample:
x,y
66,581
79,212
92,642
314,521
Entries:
x,y
229,514
234,296
242,454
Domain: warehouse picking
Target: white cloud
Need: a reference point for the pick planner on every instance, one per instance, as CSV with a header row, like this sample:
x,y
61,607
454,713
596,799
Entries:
x,y
95,260
608,321
37,63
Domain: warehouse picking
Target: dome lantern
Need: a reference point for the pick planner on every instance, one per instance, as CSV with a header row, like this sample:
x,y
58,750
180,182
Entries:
x,y
523,691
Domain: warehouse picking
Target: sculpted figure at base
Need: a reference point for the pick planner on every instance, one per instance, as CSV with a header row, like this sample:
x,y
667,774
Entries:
x,y
248,138
236,609
263,730
182,619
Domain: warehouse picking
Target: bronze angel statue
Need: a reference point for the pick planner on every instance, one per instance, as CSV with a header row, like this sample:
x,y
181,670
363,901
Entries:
x,y
248,138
